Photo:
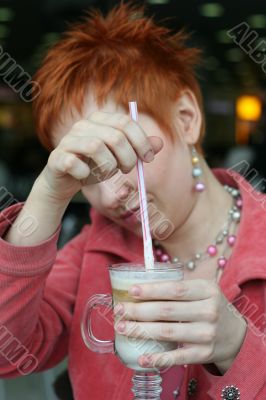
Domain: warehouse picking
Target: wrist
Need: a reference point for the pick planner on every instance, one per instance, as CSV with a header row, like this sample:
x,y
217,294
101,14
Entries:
x,y
224,365
41,193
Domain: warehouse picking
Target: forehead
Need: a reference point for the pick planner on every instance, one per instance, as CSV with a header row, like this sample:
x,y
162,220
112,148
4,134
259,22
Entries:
x,y
69,117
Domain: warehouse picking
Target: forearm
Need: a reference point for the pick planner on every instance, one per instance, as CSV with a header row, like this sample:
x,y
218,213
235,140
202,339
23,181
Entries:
x,y
38,219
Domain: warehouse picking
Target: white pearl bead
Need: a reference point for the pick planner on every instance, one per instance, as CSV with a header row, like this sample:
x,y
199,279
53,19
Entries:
x,y
236,216
191,265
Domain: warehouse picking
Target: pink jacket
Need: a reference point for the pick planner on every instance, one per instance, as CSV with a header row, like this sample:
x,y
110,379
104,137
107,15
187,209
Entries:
x,y
43,293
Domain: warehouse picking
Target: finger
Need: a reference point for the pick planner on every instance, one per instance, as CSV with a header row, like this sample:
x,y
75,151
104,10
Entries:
x,y
71,164
190,332
118,143
189,354
133,131
95,149
117,146
189,311
194,289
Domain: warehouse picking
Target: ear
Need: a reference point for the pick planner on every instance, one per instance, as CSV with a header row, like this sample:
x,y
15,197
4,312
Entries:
x,y
188,116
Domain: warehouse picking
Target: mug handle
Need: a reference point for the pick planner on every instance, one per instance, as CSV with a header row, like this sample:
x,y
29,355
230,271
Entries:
x,y
94,344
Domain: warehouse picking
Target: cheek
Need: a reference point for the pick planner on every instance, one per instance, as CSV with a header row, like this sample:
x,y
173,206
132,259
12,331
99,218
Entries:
x,y
170,169
92,194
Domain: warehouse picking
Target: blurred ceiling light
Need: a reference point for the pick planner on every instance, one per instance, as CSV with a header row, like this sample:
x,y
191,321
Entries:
x,y
257,21
158,1
211,63
248,108
234,55
211,10
4,31
223,37
6,14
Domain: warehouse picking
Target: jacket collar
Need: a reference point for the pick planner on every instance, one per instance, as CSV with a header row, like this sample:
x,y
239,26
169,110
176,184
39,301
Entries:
x,y
247,260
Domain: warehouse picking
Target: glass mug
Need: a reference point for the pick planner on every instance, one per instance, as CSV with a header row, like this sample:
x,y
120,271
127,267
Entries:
x,y
122,277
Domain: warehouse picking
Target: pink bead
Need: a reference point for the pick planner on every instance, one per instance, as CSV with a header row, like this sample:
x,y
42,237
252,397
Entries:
x,y
222,262
231,240
199,187
158,252
212,250
239,203
165,257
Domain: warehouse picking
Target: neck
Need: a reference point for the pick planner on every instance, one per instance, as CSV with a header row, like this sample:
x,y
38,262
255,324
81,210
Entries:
x,y
206,218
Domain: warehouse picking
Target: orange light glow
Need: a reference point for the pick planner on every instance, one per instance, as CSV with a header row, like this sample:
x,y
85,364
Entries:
x,y
248,108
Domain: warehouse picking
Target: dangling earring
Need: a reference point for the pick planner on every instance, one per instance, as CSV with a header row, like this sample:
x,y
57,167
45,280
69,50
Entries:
x,y
197,171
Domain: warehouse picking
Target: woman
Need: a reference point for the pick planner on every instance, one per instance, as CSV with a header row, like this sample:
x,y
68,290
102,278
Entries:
x,y
82,116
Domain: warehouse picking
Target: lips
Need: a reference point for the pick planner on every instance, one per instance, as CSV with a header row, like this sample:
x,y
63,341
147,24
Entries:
x,y
129,213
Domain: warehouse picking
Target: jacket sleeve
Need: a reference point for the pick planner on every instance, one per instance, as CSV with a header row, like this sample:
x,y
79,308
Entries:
x,y
38,290
248,371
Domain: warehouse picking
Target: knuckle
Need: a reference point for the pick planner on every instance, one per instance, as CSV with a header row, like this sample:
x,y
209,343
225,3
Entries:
x,y
179,289
166,332
208,335
211,313
94,146
80,125
69,162
165,311
118,139
124,121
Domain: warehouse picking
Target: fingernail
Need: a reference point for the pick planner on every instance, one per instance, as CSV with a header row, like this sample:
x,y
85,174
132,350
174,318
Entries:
x,y
146,361
134,291
149,156
119,309
120,327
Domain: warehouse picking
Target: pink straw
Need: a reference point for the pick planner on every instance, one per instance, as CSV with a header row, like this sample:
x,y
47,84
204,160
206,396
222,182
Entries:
x,y
147,241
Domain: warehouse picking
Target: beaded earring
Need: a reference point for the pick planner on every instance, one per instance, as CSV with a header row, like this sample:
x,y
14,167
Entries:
x,y
197,171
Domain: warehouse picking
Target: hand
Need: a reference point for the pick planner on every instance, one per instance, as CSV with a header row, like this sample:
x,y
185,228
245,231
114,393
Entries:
x,y
94,150
192,312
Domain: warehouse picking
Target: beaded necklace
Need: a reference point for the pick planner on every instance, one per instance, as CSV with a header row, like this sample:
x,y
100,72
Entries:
x,y
227,232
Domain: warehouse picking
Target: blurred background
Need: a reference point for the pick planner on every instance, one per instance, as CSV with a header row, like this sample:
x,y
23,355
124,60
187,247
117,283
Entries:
x,y
232,35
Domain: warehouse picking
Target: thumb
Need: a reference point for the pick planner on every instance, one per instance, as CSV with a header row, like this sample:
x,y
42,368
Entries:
x,y
156,142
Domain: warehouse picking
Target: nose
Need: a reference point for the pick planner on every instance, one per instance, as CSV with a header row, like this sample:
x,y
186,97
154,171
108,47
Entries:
x,y
115,192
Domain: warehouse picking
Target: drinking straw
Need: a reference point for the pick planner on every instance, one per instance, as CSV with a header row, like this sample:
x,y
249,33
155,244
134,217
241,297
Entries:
x,y
147,241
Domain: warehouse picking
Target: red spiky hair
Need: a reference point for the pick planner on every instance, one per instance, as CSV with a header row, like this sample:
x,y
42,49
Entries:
x,y
124,53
